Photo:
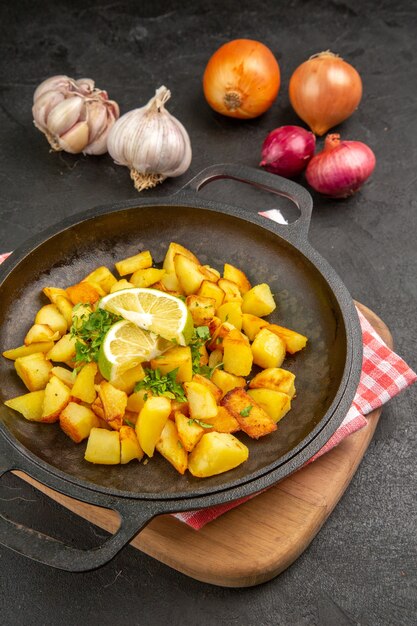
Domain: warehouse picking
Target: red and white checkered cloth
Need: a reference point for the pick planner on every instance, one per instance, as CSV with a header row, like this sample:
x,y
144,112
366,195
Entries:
x,y
384,375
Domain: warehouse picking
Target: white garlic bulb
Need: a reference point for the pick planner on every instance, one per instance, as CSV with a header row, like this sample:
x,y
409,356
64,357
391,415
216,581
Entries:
x,y
74,115
151,142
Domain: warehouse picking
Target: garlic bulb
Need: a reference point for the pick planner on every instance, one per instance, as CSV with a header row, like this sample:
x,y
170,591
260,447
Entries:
x,y
151,142
74,115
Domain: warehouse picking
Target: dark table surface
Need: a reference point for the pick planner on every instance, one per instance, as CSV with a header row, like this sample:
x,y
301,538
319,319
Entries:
x,y
361,568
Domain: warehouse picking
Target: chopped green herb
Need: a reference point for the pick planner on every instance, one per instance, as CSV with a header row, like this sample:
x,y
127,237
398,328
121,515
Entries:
x,y
200,336
162,384
128,423
89,331
200,423
207,371
179,444
245,412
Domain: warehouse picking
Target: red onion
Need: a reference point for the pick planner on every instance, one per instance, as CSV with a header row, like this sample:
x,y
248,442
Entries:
x,y
287,150
341,168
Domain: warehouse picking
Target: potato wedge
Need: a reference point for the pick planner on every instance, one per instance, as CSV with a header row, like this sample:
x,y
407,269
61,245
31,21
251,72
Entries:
x,y
234,274
83,388
126,382
34,370
129,445
151,421
253,420
293,341
65,307
136,400
216,453
40,333
102,276
259,301
224,422
29,405
121,284
237,354
179,358
275,378
231,312
53,292
77,420
16,353
190,274
208,289
215,390
201,401
131,264
268,349
114,404
231,290
51,316
201,308
252,324
103,446
64,350
65,375
170,446
226,381
189,431
146,277
275,403
83,293
57,396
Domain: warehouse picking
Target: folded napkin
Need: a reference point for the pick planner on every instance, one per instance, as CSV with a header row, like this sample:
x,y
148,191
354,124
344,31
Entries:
x,y
384,375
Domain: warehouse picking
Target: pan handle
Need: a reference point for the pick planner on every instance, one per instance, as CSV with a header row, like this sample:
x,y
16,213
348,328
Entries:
x,y
55,553
268,182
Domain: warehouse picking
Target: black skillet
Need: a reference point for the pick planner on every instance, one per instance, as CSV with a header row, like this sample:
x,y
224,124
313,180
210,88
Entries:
x,y
311,299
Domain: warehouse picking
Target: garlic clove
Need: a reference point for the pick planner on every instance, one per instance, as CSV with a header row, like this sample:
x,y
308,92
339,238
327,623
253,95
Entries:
x,y
99,144
54,83
75,139
85,85
43,106
64,115
96,116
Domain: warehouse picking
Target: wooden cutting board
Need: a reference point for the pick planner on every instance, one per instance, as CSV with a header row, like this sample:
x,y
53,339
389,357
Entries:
x,y
235,550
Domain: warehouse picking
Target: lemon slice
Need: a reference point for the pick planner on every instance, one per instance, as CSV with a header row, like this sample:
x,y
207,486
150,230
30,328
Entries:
x,y
126,345
152,310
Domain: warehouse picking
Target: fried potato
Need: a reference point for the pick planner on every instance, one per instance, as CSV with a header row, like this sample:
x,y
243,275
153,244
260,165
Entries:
x,y
77,420
253,420
216,453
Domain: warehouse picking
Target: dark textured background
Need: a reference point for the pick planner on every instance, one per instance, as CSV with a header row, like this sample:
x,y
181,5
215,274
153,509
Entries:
x,y
361,568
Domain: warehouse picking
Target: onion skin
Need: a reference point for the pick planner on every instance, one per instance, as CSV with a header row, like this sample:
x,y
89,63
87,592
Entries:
x,y
341,168
324,91
242,79
287,150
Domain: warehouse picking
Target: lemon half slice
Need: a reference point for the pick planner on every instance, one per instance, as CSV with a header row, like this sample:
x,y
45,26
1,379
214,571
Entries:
x,y
126,345
152,310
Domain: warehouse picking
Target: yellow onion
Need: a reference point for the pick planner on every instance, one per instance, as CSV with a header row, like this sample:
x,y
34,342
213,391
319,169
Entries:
x,y
242,79
324,91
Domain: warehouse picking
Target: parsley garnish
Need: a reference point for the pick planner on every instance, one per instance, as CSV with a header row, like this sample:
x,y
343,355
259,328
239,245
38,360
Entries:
x,y
128,423
245,412
200,423
162,384
89,331
200,336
